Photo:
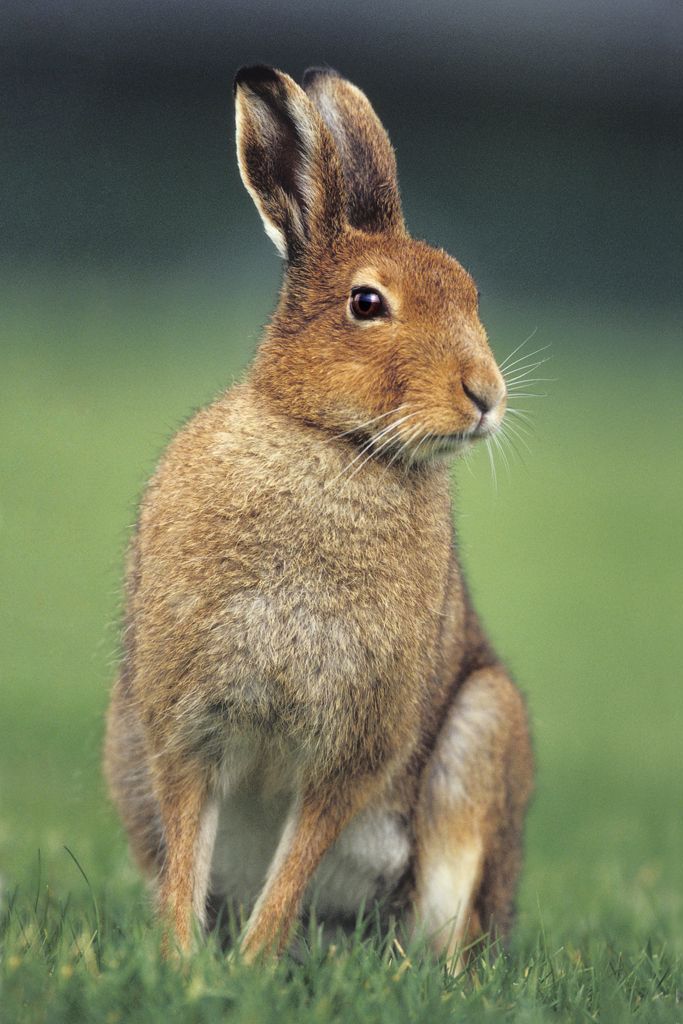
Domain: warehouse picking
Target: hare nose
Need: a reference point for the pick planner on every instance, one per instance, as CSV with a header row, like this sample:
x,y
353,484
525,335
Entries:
x,y
483,401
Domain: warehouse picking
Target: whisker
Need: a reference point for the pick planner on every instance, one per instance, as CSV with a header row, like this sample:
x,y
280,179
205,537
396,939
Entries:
x,y
522,413
522,379
467,459
387,429
412,434
527,355
517,433
522,373
415,450
529,360
521,345
512,445
523,426
359,426
385,444
527,394
496,440
494,475
373,440
393,427
515,391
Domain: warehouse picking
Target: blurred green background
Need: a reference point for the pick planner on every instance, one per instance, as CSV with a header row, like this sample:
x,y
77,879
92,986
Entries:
x,y
543,148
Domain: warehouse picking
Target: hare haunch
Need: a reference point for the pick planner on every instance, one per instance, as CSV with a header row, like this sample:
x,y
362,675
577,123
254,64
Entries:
x,y
308,708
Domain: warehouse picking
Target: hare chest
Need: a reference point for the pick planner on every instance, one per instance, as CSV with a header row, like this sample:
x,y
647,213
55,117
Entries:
x,y
367,862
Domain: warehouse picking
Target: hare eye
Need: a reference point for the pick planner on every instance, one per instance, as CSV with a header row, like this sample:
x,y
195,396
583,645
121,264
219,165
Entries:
x,y
366,303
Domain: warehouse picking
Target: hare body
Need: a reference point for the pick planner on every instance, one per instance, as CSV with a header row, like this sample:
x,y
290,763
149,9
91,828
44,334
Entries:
x,y
307,707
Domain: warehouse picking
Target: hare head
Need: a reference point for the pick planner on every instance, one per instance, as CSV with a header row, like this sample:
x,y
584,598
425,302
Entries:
x,y
376,335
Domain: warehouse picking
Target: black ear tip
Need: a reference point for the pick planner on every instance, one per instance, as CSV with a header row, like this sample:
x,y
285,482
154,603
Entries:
x,y
311,75
253,75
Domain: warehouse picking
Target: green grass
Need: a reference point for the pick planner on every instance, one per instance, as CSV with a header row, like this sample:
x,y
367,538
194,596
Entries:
x,y
575,565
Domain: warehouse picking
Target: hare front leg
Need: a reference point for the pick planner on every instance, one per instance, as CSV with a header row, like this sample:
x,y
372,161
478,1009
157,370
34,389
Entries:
x,y
470,815
315,821
189,816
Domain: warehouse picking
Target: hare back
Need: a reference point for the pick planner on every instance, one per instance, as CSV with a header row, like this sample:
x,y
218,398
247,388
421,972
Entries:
x,y
269,590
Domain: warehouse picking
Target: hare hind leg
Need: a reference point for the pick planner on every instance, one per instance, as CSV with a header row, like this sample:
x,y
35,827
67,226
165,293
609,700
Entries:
x,y
470,816
168,812
129,778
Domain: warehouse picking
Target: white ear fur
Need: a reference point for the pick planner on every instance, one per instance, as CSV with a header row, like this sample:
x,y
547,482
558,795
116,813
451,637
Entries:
x,y
275,233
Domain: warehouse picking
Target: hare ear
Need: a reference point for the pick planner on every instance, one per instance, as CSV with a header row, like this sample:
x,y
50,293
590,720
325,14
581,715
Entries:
x,y
368,161
288,161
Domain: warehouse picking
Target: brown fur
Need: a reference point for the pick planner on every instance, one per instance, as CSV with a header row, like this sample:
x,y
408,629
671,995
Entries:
x,y
295,593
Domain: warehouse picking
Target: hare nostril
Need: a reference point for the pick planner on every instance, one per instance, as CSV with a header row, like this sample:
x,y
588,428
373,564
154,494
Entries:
x,y
483,404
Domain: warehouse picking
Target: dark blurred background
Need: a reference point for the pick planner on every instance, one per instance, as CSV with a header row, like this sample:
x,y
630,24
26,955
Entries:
x,y
539,142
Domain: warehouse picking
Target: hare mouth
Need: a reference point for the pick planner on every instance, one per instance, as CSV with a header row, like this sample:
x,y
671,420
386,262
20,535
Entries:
x,y
443,444
435,446
455,440
483,429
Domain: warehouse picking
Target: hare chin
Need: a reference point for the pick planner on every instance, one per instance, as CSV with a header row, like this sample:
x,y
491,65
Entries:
x,y
444,449
451,445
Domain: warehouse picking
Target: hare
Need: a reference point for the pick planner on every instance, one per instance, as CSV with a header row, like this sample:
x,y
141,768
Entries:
x,y
307,708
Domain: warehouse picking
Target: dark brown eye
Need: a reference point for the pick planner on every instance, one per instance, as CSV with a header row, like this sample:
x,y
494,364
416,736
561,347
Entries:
x,y
366,303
